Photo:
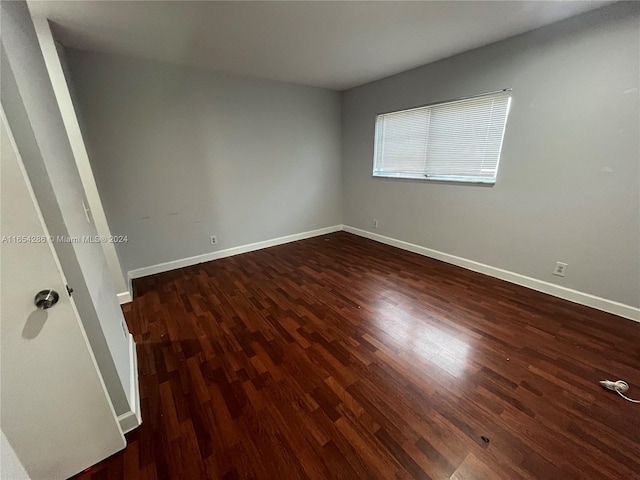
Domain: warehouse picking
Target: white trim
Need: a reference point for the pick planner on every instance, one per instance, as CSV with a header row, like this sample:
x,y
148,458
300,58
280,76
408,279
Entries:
x,y
124,297
626,311
62,93
132,419
207,257
130,284
599,303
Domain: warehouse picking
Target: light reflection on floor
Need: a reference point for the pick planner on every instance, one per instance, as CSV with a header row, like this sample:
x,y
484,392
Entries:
x,y
413,332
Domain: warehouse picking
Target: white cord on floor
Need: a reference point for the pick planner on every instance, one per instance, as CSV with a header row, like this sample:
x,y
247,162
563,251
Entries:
x,y
620,387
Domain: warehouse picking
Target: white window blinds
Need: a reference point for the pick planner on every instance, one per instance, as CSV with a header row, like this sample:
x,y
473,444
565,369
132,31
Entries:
x,y
457,141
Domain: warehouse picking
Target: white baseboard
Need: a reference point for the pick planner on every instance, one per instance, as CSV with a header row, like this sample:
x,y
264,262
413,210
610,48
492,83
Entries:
x,y
207,257
616,308
133,418
124,297
620,309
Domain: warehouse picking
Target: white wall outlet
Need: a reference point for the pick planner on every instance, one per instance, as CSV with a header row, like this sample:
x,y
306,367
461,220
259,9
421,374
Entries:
x,y
214,239
375,224
561,269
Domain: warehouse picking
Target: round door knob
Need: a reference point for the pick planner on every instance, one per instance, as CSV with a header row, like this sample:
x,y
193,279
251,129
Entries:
x,y
46,299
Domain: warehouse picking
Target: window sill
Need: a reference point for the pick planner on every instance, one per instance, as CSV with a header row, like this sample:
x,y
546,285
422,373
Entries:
x,y
440,179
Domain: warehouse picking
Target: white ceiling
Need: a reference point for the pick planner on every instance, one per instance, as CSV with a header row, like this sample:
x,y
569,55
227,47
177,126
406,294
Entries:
x,y
335,45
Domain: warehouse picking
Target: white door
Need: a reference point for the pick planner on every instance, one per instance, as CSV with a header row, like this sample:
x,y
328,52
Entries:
x,y
55,410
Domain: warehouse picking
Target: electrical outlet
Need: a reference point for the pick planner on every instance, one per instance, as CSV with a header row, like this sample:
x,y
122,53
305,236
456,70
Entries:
x,y
561,269
214,239
375,224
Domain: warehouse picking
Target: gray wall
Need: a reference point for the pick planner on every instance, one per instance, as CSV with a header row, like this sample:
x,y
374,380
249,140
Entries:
x,y
569,179
180,154
34,117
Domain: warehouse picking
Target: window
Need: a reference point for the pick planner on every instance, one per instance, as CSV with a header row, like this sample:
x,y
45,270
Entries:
x,y
454,141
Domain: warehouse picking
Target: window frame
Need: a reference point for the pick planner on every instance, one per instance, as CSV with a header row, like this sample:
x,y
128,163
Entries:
x,y
464,180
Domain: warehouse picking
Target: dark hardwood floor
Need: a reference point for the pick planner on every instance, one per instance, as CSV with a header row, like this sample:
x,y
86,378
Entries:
x,y
337,357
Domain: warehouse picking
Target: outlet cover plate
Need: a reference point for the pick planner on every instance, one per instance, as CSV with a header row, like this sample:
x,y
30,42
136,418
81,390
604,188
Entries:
x,y
561,269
